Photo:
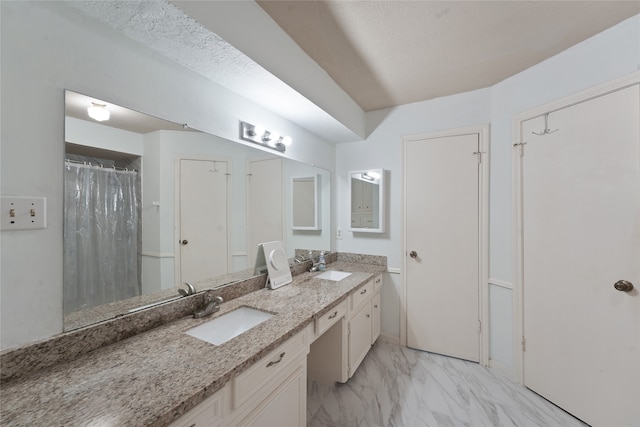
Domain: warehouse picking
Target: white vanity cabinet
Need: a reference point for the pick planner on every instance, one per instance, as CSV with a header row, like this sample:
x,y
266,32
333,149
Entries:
x,y
364,322
359,337
273,391
208,413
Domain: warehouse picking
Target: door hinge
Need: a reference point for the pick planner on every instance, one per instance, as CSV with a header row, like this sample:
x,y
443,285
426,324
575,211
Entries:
x,y
479,326
479,155
520,146
524,344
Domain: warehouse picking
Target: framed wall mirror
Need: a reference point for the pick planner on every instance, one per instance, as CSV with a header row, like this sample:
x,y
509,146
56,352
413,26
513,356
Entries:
x,y
306,202
367,201
185,206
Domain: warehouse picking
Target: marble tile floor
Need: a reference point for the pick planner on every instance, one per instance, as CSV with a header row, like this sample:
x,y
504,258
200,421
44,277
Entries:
x,y
398,386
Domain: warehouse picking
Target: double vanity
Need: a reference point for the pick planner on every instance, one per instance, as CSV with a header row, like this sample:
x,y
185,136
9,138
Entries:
x,y
269,341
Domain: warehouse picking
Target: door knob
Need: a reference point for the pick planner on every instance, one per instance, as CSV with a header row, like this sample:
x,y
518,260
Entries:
x,y
184,242
623,285
413,254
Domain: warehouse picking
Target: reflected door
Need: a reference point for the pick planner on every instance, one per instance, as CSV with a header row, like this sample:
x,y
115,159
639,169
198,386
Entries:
x,y
266,204
204,219
581,222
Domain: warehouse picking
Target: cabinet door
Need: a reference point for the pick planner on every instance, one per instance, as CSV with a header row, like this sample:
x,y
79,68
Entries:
x,y
375,317
287,405
356,195
359,337
208,413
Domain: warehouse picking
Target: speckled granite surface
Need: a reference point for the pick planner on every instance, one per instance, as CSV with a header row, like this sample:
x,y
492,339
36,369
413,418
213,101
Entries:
x,y
151,378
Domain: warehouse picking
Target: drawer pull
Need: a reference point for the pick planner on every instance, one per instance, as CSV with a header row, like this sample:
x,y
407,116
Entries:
x,y
375,306
377,280
277,361
368,316
333,315
363,292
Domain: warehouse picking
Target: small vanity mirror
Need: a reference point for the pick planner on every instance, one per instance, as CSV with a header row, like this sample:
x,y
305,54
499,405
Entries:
x,y
305,206
367,201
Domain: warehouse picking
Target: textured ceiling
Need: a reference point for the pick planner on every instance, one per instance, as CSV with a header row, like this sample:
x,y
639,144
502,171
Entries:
x,y
386,53
381,53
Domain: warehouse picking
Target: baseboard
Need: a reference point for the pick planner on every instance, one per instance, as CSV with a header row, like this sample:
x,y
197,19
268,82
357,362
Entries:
x,y
392,339
501,368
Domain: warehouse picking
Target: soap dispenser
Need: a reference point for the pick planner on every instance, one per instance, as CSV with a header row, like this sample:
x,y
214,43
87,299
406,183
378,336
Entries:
x,y
321,262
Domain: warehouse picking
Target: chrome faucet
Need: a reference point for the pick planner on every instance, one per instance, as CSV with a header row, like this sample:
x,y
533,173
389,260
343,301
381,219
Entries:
x,y
314,266
190,290
211,304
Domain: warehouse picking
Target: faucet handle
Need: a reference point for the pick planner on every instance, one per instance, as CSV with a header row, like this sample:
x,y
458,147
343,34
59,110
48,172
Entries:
x,y
210,297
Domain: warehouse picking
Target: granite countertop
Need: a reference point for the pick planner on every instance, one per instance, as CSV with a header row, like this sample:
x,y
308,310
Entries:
x,y
152,378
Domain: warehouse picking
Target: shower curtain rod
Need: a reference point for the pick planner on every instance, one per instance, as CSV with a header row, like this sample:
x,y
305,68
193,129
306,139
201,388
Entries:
x,y
98,165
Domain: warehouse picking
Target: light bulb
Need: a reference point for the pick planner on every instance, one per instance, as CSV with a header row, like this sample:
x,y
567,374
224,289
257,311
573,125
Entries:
x,y
98,112
258,130
287,140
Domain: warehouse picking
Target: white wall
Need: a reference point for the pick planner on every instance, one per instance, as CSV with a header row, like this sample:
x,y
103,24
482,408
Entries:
x,y
48,47
606,56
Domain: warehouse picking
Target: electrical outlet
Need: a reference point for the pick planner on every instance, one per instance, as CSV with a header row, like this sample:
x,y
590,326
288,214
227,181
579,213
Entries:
x,y
339,233
23,213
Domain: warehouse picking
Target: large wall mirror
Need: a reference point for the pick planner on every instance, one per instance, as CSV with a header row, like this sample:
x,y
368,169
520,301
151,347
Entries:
x,y
367,201
150,204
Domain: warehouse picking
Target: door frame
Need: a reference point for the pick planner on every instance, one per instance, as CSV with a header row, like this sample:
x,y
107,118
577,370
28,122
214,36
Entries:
x,y
177,211
483,227
517,198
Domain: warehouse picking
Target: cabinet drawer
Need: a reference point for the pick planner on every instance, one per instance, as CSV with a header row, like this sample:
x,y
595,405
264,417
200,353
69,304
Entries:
x,y
377,283
207,413
250,382
361,295
330,318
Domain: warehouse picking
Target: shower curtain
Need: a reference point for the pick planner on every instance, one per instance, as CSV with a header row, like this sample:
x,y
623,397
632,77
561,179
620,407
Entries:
x,y
100,236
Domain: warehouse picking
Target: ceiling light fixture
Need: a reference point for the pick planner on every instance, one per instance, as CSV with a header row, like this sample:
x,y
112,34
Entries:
x,y
98,112
267,138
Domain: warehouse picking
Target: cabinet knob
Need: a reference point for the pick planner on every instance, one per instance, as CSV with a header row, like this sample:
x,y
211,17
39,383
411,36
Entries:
x,y
184,242
413,254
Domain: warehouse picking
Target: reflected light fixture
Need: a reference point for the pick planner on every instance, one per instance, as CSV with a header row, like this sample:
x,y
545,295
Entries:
x,y
367,176
261,136
98,112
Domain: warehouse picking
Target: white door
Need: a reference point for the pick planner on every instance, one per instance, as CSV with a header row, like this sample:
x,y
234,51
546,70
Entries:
x,y
442,244
581,223
266,204
204,222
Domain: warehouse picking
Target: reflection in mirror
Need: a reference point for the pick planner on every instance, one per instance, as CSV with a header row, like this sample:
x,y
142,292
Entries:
x,y
367,201
151,204
305,202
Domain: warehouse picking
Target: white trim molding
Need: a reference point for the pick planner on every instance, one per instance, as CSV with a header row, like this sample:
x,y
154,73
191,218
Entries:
x,y
501,283
394,270
157,254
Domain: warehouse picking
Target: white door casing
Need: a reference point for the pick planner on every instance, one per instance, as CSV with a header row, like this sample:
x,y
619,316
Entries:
x,y
202,218
578,209
444,302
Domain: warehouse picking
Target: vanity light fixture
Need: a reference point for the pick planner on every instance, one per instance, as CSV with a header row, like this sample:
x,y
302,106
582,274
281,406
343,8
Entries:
x,y
261,136
365,175
98,112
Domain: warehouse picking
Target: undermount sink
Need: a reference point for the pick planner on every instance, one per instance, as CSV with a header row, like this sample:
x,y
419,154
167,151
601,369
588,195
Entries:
x,y
334,275
229,325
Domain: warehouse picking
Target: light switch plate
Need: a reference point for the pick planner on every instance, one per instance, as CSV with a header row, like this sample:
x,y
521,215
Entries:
x,y
23,213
